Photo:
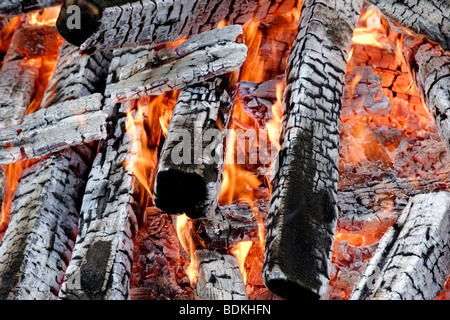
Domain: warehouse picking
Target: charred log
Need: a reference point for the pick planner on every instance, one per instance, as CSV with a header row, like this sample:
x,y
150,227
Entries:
x,y
427,17
12,8
303,212
102,257
191,163
411,261
430,69
50,130
115,24
213,55
231,224
219,277
17,83
36,248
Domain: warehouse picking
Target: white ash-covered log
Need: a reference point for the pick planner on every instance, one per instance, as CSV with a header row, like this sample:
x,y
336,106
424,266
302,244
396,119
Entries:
x,y
190,168
2,186
208,55
303,211
427,17
17,84
46,204
412,259
70,123
114,24
36,247
12,8
102,257
219,277
430,68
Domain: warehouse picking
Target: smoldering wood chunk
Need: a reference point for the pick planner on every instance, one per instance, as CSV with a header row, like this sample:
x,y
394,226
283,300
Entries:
x,y
37,244
364,93
219,277
197,66
411,261
78,78
70,123
191,163
132,23
427,17
17,83
430,69
259,98
231,224
303,212
33,42
12,8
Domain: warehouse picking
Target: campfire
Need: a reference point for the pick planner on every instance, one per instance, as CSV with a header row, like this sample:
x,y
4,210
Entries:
x,y
228,150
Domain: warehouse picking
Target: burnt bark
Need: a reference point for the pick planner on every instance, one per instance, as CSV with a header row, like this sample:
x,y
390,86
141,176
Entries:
x,y
219,277
303,211
203,57
191,162
102,257
430,68
36,247
12,8
411,261
50,130
427,17
115,24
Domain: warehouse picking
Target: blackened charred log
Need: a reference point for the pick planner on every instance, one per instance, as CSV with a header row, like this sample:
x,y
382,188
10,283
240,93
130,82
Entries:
x,y
189,179
115,24
303,211
411,261
427,17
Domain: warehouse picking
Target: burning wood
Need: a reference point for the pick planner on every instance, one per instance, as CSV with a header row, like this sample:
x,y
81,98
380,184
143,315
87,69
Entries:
x,y
430,68
102,258
189,179
411,261
303,213
231,224
12,8
209,55
427,17
60,126
2,187
36,247
108,25
219,277
33,42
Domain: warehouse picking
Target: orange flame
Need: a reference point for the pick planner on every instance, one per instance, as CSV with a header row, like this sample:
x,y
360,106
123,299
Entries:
x,y
184,231
240,251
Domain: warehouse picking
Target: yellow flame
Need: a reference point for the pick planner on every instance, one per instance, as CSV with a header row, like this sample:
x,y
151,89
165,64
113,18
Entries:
x,y
45,17
240,251
184,227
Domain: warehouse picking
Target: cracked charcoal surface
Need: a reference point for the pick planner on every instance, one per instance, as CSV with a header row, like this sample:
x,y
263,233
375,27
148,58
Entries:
x,y
427,17
193,186
303,213
160,22
109,211
411,261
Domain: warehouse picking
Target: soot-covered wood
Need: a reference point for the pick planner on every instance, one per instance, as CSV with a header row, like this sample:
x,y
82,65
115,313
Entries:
x,y
303,212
